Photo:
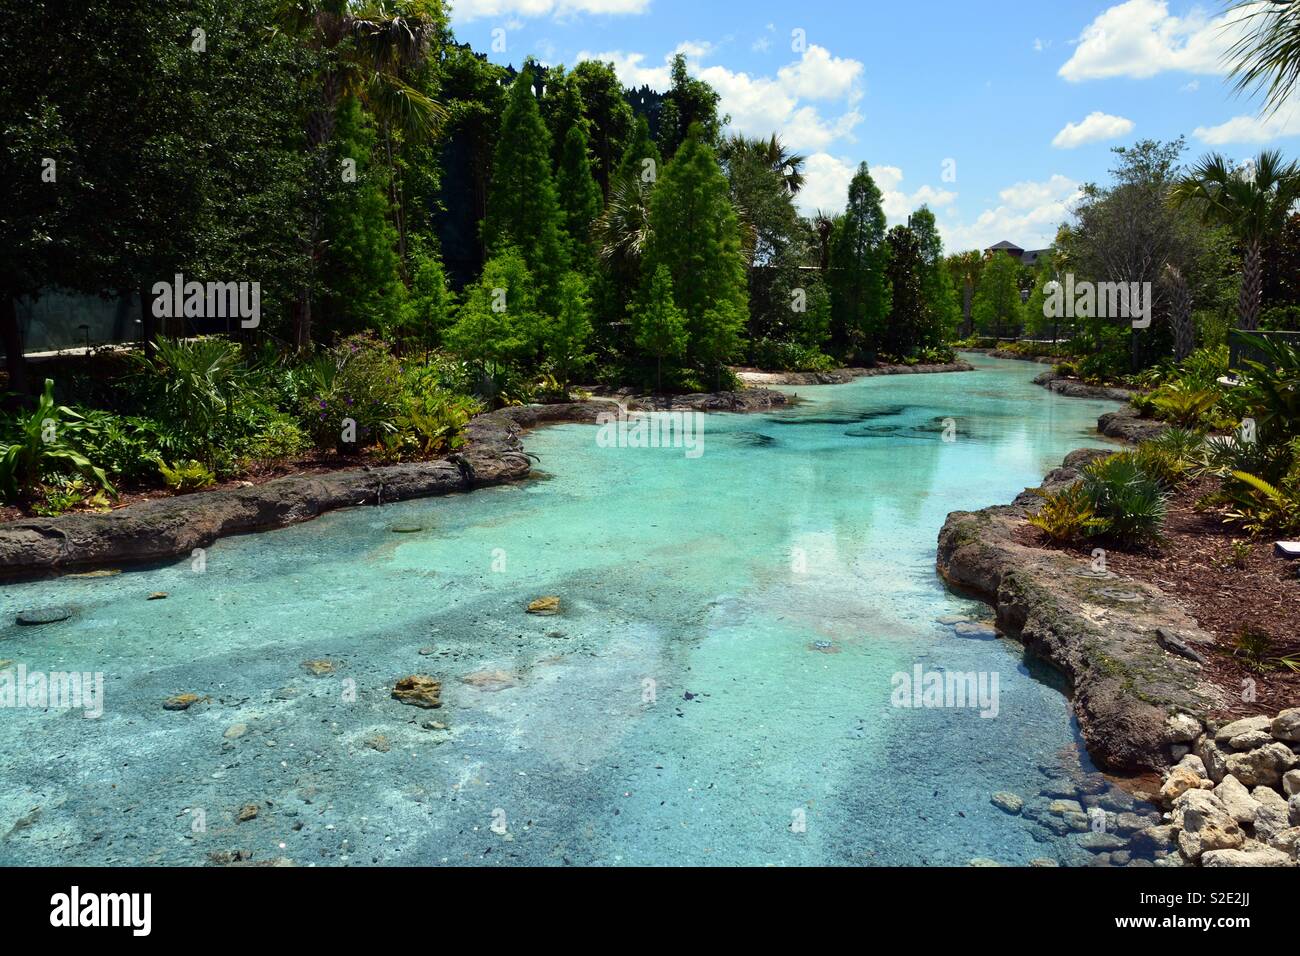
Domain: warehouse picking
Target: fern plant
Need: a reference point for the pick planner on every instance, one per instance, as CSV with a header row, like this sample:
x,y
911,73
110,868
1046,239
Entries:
x,y
1261,506
1129,499
1067,516
46,443
185,477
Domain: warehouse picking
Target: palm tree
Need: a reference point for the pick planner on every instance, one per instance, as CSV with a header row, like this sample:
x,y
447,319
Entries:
x,y
1252,201
771,153
365,46
623,229
1267,55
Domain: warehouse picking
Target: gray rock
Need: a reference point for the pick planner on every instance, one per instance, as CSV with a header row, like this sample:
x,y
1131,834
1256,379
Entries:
x,y
1214,758
1294,804
1288,841
1043,863
1262,767
1060,788
1252,740
974,630
1101,842
1237,800
1291,782
1244,726
1286,726
1254,857
43,615
1272,816
1059,808
1155,838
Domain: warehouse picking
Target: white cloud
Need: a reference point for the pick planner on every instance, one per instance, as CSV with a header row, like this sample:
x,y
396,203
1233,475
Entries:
x,y
820,76
1139,39
1191,87
761,45
1097,127
464,11
826,187
1254,129
1029,217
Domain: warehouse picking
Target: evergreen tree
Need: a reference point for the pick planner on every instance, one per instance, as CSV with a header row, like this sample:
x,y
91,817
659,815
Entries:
x,y
658,325
497,326
905,329
639,149
580,198
362,284
609,117
688,103
943,312
1036,321
694,232
859,292
523,209
998,309
428,309
567,335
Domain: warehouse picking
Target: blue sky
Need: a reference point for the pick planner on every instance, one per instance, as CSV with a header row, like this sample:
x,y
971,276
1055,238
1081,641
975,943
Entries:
x,y
991,115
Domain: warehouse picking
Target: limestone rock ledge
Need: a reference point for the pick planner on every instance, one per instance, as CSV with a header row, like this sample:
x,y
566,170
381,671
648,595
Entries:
x,y
167,528
843,376
1126,648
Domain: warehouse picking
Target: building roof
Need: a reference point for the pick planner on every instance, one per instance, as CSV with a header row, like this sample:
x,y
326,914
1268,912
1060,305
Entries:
x,y
1008,246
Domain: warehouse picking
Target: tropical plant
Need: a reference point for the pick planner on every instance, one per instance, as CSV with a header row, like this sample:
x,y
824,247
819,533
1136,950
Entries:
x,y
47,443
1067,516
194,384
357,395
1266,57
1273,388
64,494
1261,507
1253,201
184,477
1182,405
1129,500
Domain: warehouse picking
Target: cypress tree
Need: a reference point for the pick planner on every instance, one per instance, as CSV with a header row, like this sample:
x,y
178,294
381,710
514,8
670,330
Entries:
x,y
579,196
695,234
522,207
659,326
859,291
641,148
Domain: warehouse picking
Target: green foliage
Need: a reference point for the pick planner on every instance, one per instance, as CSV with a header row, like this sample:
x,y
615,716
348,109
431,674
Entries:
x,y
1273,388
498,324
658,325
696,236
858,255
997,309
632,165
428,310
1130,501
186,476
355,395
432,422
907,326
1067,516
65,494
1262,507
688,103
566,335
523,208
47,442
580,198
193,385
1181,405
774,356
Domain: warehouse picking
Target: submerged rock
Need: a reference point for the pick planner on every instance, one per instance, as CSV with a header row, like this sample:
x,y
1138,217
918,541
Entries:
x,y
158,596
43,615
419,691
490,680
1007,802
247,812
319,668
182,701
545,606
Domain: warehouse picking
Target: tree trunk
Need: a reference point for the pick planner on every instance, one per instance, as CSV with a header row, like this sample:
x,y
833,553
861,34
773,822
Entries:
x,y
1252,286
15,360
148,321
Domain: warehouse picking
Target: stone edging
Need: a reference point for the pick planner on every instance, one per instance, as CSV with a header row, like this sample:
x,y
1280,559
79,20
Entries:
x,y
843,376
167,528
1126,648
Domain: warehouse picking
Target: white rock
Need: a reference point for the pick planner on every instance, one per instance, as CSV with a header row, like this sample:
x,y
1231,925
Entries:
x,y
1286,726
1273,815
1182,729
1181,779
1243,726
1294,804
1215,760
1291,782
1251,740
1256,856
1288,841
1237,800
1196,765
1262,767
1204,824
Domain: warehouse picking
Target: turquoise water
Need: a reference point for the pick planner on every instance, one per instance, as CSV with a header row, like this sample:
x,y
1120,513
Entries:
x,y
716,690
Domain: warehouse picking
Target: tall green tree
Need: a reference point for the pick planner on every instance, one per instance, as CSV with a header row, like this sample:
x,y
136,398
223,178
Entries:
x,y
658,325
428,310
498,327
688,102
566,336
907,326
523,208
579,197
942,310
1254,202
998,309
859,290
608,114
640,147
695,234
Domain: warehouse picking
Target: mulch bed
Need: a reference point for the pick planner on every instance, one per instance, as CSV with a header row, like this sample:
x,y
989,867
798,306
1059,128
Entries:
x,y
1197,566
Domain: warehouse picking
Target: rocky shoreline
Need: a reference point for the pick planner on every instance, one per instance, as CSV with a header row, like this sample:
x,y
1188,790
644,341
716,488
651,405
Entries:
x,y
1127,650
168,528
843,376
1073,388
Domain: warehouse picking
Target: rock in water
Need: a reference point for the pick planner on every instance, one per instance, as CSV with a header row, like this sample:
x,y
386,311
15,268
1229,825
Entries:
x,y
419,691
158,596
248,812
545,606
1007,802
406,529
490,681
43,615
318,668
182,701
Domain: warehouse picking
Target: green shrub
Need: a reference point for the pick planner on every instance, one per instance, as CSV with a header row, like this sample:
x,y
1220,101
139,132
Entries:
x,y
775,356
46,442
64,494
188,476
193,385
359,382
1067,515
1130,501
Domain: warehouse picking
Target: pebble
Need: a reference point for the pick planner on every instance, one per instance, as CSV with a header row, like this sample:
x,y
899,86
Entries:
x,y
235,731
43,615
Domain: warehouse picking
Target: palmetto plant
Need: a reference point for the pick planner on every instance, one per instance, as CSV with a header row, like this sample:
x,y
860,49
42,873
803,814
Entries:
x,y
46,443
1267,55
623,230
1252,201
1274,387
196,383
771,153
